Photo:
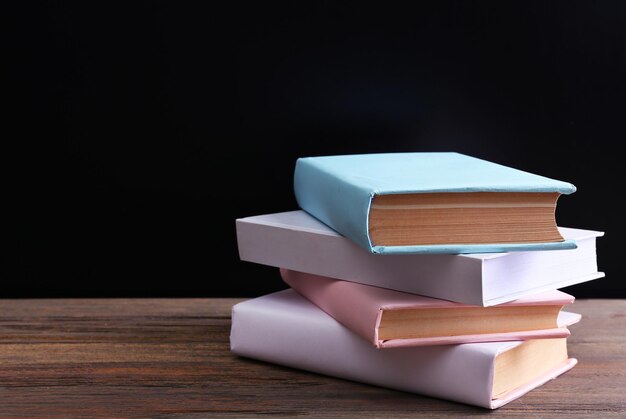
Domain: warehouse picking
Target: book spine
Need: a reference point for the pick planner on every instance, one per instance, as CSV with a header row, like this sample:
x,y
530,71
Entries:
x,y
337,257
448,277
285,329
355,309
338,202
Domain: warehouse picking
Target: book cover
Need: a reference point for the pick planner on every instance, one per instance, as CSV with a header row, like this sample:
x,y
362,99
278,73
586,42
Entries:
x,y
389,319
341,190
286,329
296,240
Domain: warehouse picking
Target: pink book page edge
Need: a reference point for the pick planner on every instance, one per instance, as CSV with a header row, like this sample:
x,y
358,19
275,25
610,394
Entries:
x,y
559,332
565,319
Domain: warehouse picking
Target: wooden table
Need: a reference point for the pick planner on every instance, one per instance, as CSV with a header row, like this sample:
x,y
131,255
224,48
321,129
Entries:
x,y
171,358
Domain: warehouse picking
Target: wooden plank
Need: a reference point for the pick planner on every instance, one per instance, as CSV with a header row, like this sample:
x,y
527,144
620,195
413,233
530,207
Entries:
x,y
170,357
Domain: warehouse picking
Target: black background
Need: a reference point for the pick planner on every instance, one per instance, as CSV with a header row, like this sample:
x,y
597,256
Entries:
x,y
136,133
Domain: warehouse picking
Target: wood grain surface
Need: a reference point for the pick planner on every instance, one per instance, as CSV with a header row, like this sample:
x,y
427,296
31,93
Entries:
x,y
170,358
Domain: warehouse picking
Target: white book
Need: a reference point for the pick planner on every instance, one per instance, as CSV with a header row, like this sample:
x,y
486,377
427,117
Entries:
x,y
286,329
295,240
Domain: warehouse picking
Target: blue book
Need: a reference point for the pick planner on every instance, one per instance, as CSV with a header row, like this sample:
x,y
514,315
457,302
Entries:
x,y
395,203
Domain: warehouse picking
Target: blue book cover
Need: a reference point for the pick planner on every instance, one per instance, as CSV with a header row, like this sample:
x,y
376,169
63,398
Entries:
x,y
339,191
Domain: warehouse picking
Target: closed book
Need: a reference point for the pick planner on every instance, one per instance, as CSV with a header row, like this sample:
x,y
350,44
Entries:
x,y
286,329
389,319
431,202
296,240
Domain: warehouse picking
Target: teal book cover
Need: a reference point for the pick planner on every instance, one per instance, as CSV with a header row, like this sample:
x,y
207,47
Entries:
x,y
342,191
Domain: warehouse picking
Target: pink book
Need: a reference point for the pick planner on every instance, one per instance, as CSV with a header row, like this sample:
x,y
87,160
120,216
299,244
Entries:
x,y
387,318
286,329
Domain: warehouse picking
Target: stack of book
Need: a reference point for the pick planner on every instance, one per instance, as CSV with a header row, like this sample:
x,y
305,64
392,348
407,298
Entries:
x,y
432,273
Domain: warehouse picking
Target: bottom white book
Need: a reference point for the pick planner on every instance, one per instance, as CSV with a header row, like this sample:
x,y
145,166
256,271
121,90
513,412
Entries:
x,y
286,329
